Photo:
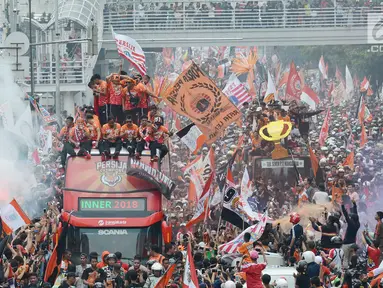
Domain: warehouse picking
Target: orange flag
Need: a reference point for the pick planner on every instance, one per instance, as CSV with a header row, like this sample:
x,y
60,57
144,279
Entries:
x,y
163,282
363,136
349,161
314,161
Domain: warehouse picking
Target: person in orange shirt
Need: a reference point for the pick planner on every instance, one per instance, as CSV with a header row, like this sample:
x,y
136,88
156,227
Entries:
x,y
80,138
157,135
155,254
94,130
128,134
284,116
143,133
100,91
117,93
111,138
64,137
247,246
137,99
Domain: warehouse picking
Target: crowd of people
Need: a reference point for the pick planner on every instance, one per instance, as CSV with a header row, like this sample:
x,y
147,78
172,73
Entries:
x,y
327,225
241,14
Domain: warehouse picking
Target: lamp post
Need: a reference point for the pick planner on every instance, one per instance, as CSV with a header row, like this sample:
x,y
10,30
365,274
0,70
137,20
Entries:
x,y
30,51
57,56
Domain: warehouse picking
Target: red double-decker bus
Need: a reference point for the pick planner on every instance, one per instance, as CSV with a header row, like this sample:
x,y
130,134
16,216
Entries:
x,y
109,210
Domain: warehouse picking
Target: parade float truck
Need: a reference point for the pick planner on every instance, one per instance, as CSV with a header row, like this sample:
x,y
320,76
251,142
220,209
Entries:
x,y
115,205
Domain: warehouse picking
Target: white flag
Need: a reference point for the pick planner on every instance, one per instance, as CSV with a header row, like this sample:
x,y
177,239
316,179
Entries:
x,y
129,49
271,92
349,84
246,185
13,217
322,67
24,127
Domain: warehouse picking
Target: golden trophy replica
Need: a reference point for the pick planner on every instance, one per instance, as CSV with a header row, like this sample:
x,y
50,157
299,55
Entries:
x,y
276,131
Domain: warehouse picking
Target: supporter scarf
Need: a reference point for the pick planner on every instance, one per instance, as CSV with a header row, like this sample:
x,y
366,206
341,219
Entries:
x,y
79,134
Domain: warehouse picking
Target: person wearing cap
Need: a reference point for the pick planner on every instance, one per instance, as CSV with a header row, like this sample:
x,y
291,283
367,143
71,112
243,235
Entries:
x,y
111,259
81,268
158,134
184,233
254,270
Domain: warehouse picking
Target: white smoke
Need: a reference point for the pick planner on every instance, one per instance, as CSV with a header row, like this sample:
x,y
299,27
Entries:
x,y
16,170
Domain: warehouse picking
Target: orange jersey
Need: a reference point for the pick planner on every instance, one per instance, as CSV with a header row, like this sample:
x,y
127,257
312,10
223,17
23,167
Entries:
x,y
93,130
158,135
111,133
116,93
64,133
129,133
96,121
103,98
139,91
286,118
245,248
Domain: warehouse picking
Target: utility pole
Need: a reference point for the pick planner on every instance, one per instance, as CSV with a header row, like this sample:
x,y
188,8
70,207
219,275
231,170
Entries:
x,y
31,51
57,56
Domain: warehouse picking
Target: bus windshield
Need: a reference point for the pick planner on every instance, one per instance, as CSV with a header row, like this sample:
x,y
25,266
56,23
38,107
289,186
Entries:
x,y
128,241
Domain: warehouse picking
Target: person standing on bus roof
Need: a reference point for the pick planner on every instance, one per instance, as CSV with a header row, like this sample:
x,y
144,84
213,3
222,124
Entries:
x,y
64,137
129,133
116,95
111,138
100,91
157,138
80,137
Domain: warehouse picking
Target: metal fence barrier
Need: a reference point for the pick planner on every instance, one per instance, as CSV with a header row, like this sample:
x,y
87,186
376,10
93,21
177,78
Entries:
x,y
186,17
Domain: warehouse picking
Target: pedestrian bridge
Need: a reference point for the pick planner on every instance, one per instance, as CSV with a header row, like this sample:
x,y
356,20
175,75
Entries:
x,y
189,25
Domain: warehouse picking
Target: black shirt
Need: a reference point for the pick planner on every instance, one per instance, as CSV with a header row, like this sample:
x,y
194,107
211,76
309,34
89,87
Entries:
x,y
303,281
100,278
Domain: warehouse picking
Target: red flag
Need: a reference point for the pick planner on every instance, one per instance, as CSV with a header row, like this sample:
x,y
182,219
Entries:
x,y
369,91
365,85
339,77
349,161
330,89
314,161
324,131
190,279
163,282
294,84
35,157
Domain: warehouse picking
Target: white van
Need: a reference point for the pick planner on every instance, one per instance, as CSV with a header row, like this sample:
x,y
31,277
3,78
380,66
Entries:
x,y
273,259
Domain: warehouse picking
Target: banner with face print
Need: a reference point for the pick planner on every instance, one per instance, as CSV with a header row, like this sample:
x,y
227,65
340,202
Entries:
x,y
196,96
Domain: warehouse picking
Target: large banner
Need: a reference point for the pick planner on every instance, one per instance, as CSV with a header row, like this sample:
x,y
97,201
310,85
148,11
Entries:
x,y
144,171
196,96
